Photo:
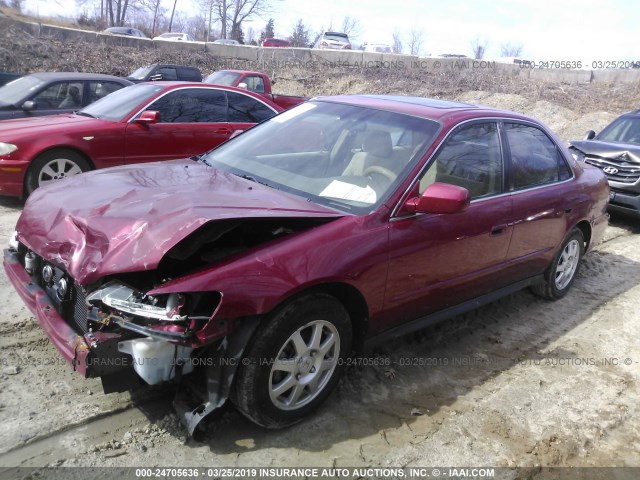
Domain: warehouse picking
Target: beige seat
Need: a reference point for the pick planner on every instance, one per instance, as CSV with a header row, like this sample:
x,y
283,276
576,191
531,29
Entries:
x,y
377,150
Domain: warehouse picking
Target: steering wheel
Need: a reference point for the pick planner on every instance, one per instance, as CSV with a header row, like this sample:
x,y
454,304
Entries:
x,y
385,172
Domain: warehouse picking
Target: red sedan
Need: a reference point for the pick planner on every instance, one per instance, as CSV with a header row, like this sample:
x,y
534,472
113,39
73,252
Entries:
x,y
141,123
256,270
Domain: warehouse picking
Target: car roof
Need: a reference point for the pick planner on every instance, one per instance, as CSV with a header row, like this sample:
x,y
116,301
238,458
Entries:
x,y
177,84
431,108
75,76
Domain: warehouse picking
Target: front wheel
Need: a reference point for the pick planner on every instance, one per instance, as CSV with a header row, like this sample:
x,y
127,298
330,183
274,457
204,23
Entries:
x,y
563,270
294,361
54,165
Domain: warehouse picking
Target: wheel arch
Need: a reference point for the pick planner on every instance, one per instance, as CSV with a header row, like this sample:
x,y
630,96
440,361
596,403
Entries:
x,y
55,148
350,298
585,228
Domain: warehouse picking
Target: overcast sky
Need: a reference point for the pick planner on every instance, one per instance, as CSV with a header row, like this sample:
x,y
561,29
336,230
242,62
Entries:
x,y
577,30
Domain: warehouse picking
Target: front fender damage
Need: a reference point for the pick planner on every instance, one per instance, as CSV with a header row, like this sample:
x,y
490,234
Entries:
x,y
220,363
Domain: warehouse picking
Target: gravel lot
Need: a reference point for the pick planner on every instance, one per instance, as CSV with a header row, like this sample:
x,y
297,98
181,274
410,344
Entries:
x,y
522,382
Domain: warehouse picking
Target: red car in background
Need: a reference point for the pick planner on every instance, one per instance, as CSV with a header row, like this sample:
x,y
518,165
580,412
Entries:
x,y
275,42
252,273
141,123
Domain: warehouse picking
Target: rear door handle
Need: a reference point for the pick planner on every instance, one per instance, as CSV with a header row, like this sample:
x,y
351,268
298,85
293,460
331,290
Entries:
x,y
498,230
223,131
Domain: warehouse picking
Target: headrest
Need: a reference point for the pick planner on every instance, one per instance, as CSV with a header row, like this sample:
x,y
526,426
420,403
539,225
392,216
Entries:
x,y
377,142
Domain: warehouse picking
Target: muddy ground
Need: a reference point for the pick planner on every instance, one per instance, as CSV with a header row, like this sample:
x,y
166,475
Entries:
x,y
521,382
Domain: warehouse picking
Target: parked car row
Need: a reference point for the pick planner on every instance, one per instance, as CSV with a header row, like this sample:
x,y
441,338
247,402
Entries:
x,y
141,123
50,93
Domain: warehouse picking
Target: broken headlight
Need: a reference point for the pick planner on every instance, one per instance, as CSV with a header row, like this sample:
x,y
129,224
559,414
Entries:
x,y
129,301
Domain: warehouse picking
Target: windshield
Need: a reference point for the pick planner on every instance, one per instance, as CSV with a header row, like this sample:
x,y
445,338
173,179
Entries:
x,y
622,130
19,89
223,78
342,156
141,73
117,105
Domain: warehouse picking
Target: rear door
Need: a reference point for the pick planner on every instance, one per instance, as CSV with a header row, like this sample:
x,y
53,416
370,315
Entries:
x,y
539,179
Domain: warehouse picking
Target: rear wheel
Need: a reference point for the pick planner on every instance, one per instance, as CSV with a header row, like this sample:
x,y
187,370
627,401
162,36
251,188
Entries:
x,y
294,361
563,270
54,165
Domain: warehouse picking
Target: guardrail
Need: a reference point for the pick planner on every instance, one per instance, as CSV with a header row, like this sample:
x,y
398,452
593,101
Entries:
x,y
269,57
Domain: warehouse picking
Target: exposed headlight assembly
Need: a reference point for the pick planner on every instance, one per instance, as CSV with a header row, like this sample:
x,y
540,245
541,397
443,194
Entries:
x,y
7,148
126,300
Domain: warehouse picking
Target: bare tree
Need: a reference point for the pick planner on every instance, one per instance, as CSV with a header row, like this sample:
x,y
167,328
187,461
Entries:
x,y
351,26
241,10
17,5
173,11
479,48
300,35
153,6
415,41
269,30
117,10
397,42
509,50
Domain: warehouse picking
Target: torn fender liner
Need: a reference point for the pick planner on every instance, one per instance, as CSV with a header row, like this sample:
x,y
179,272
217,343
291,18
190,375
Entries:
x,y
219,374
127,220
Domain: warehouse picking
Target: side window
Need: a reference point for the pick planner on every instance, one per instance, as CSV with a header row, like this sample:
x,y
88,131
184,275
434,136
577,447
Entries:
x,y
189,74
471,158
244,109
535,159
254,83
61,95
97,90
191,106
165,73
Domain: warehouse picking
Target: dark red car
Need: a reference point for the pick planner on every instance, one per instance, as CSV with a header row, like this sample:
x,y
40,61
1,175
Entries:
x,y
255,271
141,123
275,42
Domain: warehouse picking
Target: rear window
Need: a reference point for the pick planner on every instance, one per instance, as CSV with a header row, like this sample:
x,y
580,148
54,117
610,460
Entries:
x,y
340,37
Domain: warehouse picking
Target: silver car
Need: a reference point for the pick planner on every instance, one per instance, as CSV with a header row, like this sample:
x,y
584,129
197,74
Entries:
x,y
333,40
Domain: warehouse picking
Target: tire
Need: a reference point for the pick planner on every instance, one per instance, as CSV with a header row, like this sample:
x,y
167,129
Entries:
x,y
285,375
563,270
54,165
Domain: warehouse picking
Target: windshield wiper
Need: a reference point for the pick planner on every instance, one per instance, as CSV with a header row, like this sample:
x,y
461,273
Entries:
x,y
255,180
84,114
200,158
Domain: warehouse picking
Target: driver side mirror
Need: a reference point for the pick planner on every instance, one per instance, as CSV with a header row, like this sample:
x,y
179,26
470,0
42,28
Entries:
x,y
148,117
29,105
589,135
440,198
242,85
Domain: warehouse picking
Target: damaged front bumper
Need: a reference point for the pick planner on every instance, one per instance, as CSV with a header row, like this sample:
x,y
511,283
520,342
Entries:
x,y
134,353
91,355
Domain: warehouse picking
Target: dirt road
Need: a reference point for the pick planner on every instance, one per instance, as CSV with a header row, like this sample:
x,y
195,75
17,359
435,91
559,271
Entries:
x,y
521,382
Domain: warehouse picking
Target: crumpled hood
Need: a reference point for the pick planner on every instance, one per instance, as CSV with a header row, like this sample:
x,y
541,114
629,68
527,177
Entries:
x,y
124,219
610,150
